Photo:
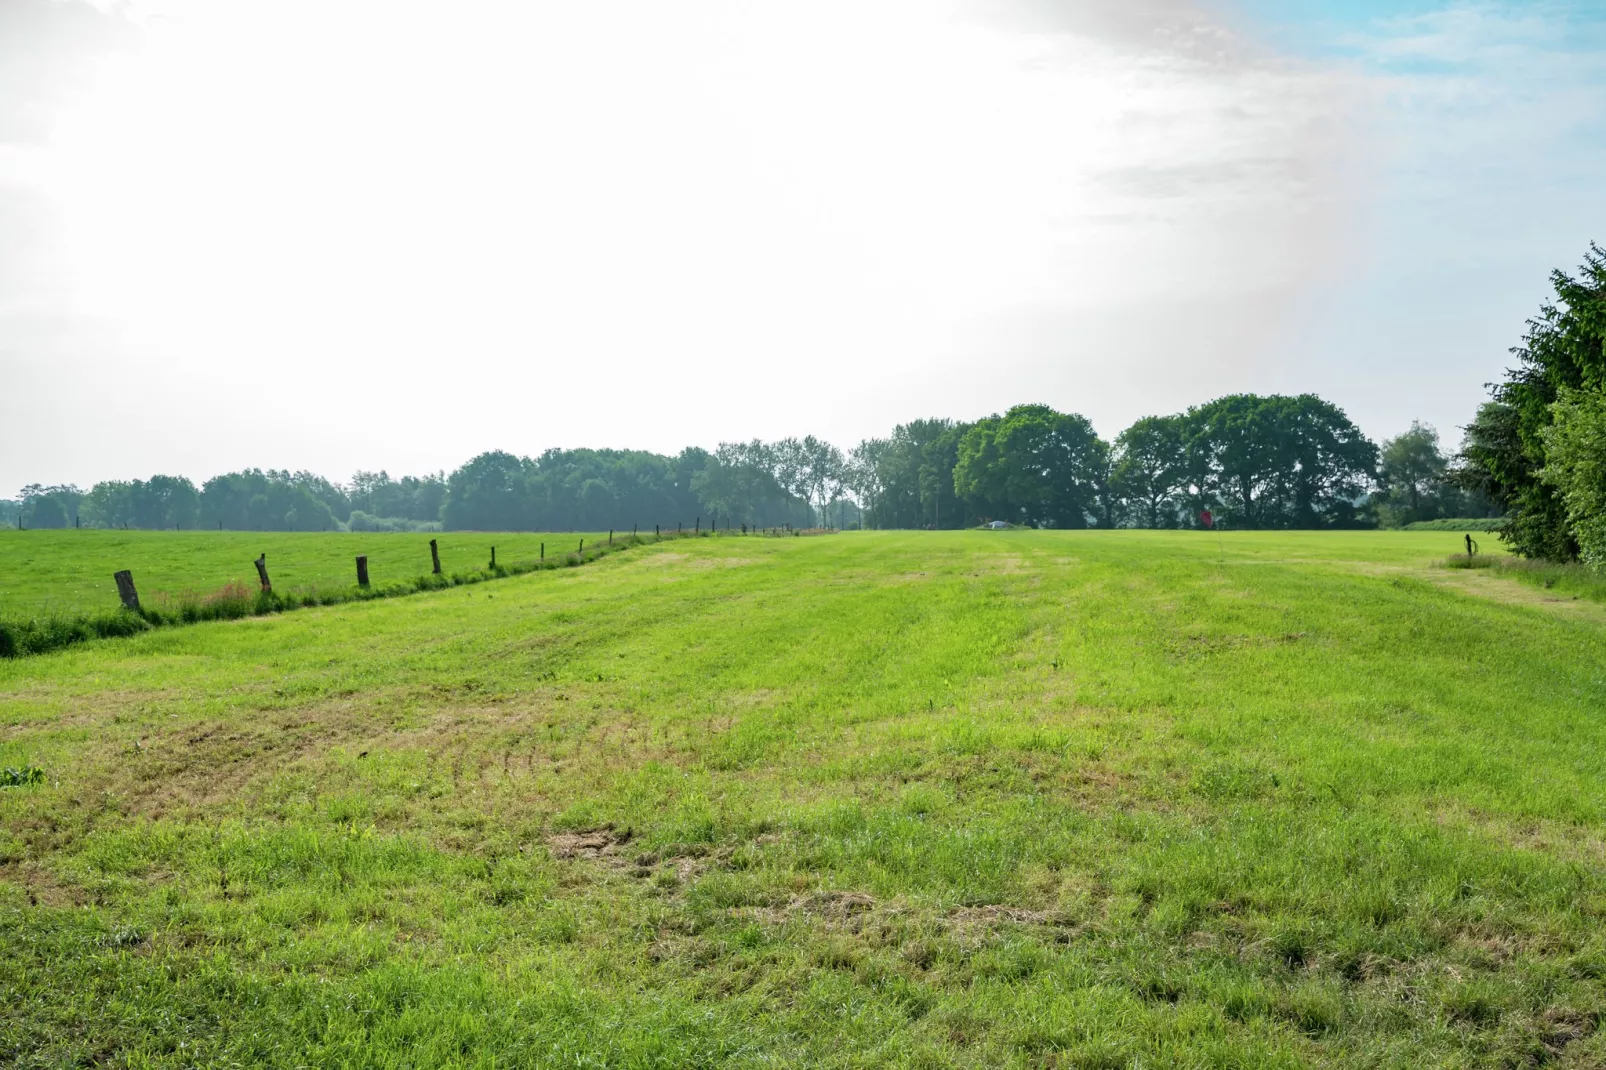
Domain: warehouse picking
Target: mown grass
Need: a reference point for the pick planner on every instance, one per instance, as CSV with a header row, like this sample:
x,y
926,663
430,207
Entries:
x,y
926,799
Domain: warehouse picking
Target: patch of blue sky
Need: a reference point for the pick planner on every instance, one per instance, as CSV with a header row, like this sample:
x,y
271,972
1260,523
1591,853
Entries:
x,y
1424,36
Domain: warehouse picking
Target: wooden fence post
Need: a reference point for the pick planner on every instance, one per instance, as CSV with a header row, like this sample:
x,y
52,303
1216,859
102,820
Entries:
x,y
493,557
125,590
582,550
362,570
262,571
699,529
610,536
543,551
435,556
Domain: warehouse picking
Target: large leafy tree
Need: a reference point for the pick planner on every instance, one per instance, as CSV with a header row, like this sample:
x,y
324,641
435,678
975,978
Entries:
x,y
50,507
407,498
1036,466
1415,482
1506,450
910,475
741,484
489,493
257,500
1278,461
161,503
1149,472
822,473
1575,466
1411,472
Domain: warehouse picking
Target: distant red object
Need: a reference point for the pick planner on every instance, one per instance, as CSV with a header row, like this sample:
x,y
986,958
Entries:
x,y
1206,519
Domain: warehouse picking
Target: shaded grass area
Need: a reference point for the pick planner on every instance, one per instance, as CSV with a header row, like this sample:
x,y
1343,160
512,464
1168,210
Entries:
x,y
22,636
930,799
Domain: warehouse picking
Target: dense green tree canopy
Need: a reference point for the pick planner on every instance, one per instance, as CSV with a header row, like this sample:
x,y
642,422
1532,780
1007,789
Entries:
x,y
162,502
1035,466
1279,462
254,500
1149,471
1575,467
408,498
50,507
1506,452
906,481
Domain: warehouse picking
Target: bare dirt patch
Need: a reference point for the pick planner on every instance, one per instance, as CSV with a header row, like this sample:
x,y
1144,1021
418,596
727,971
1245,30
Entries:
x,y
597,845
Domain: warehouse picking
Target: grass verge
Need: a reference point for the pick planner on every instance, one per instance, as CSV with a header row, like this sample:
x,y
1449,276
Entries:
x,y
1572,578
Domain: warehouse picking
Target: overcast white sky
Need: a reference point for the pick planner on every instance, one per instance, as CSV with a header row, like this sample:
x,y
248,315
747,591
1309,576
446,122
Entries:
x,y
338,234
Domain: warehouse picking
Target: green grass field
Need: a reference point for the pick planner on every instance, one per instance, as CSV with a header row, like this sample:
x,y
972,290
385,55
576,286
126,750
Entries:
x,y
1035,799
71,571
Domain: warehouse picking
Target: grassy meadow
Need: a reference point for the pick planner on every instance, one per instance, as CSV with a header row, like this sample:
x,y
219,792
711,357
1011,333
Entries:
x,y
71,571
1022,799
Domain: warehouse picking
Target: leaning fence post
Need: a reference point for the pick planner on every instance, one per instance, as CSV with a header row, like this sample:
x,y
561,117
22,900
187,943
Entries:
x,y
435,556
125,590
582,550
362,570
262,571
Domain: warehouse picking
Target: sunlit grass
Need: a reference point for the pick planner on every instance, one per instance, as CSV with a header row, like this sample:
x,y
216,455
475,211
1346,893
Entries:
x,y
71,571
927,799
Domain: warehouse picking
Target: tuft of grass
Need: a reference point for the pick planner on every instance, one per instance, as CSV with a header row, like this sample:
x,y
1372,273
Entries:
x,y
1472,561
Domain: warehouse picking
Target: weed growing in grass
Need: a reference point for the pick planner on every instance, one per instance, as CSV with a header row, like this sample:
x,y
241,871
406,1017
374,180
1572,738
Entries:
x,y
15,777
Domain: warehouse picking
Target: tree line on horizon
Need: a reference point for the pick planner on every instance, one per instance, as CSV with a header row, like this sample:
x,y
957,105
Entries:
x,y
1252,461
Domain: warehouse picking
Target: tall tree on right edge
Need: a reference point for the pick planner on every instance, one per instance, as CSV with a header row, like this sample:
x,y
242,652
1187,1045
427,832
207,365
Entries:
x,y
1506,455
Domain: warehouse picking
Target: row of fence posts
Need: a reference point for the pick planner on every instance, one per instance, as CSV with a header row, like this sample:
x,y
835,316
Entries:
x,y
130,596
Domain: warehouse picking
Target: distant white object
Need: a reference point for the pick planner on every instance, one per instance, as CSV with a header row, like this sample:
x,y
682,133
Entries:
x,y
998,525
